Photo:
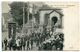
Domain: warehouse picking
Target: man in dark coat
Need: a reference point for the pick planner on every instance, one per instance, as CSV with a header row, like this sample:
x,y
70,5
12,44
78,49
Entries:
x,y
5,43
21,44
28,45
31,43
24,43
14,45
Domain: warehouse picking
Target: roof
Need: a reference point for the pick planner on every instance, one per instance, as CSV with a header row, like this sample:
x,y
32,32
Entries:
x,y
45,8
48,9
56,11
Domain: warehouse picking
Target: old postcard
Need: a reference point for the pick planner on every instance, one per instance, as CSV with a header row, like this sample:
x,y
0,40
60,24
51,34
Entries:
x,y
40,26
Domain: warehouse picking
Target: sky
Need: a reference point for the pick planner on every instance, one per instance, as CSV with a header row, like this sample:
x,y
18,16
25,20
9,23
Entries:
x,y
5,7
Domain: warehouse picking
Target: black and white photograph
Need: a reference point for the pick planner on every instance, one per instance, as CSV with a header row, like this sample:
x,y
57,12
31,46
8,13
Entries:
x,y
38,26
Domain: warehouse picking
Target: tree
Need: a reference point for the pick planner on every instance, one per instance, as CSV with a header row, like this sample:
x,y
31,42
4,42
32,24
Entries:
x,y
17,12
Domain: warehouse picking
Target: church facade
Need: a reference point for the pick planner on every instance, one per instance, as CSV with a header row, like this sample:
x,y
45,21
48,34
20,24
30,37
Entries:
x,y
50,18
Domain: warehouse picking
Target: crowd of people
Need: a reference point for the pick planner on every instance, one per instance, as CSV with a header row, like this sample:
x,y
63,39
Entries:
x,y
27,42
53,43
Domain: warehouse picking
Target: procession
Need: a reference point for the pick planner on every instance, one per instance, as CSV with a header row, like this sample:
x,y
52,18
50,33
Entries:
x,y
33,27
42,41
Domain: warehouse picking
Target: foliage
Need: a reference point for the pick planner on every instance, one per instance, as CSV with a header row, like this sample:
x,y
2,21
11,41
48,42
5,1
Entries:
x,y
17,12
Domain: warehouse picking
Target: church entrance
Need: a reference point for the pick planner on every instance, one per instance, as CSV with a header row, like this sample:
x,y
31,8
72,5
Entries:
x,y
54,20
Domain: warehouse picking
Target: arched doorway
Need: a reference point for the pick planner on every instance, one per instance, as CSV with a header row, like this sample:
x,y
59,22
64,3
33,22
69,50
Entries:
x,y
54,20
